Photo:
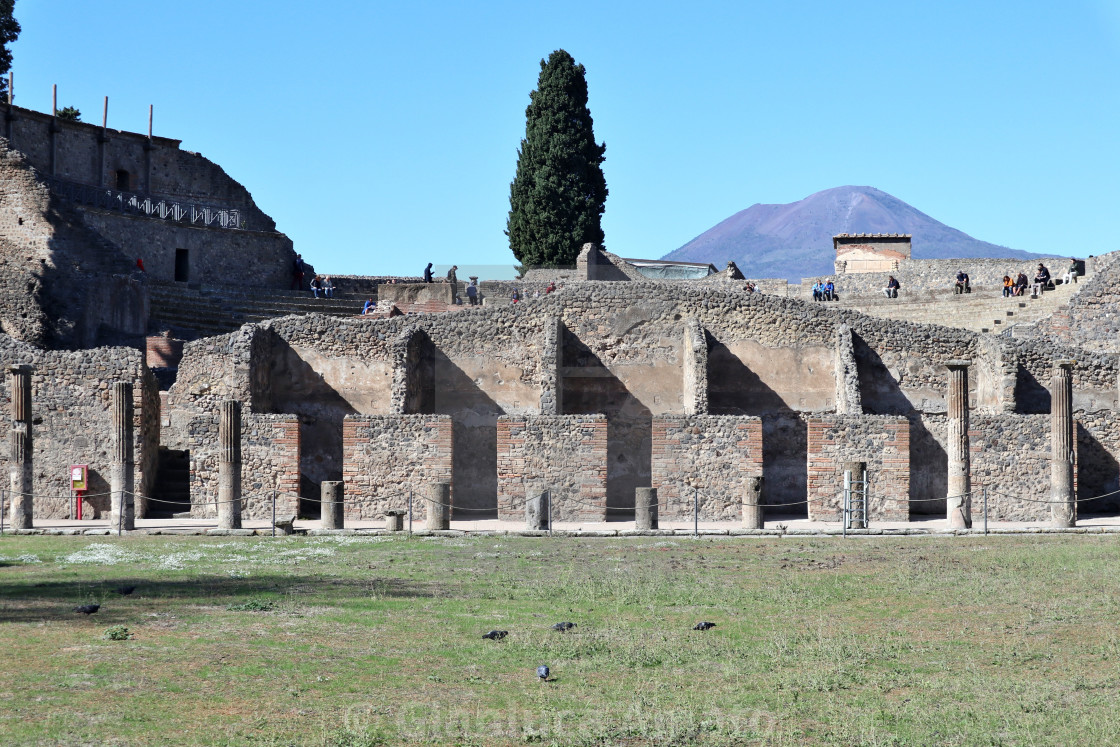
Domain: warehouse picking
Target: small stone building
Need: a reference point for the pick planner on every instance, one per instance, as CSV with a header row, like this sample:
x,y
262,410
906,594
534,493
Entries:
x,y
870,252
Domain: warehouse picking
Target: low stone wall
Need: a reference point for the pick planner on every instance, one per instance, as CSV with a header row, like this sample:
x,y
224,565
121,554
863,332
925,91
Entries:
x,y
418,293
713,455
385,457
937,275
564,454
1010,455
270,451
880,441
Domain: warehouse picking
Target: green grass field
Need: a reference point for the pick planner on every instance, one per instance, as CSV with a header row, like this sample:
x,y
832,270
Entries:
x,y
368,641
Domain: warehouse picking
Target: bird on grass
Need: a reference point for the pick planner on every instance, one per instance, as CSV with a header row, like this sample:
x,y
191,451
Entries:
x,y
543,672
87,609
496,635
563,627
703,626
124,591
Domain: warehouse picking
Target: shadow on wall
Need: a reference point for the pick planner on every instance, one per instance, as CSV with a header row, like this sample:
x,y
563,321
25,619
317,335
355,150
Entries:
x,y
298,389
589,387
1031,396
929,462
474,423
1098,473
734,389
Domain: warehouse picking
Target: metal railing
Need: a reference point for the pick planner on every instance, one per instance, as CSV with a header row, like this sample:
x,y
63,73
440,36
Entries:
x,y
194,214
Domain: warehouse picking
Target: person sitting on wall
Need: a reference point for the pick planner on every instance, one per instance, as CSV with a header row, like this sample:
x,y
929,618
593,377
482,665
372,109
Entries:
x,y
1021,284
1041,280
328,287
829,291
428,273
316,285
472,293
750,287
369,306
817,292
515,297
892,287
551,287
963,285
1008,286
1069,277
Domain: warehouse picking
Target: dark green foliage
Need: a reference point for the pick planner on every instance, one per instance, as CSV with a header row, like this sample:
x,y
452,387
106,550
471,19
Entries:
x,y
9,30
557,197
69,113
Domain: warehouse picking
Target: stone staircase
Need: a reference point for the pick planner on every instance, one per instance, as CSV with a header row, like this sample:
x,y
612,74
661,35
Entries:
x,y
979,311
192,310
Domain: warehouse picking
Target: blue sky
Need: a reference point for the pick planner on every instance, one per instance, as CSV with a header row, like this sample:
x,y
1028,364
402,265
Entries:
x,y
382,136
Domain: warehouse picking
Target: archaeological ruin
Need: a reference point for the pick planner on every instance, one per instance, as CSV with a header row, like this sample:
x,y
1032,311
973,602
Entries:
x,y
184,394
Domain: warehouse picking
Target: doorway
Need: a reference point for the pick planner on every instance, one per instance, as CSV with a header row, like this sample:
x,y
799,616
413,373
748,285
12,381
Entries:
x,y
182,266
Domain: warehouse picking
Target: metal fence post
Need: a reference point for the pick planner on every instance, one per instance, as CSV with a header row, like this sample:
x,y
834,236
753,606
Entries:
x,y
410,513
985,509
548,494
273,513
120,515
695,513
846,506
3,495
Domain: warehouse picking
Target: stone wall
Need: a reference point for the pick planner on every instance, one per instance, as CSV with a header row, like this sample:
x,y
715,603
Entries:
x,y
881,442
711,455
1090,320
71,396
1010,455
270,451
936,276
563,454
387,458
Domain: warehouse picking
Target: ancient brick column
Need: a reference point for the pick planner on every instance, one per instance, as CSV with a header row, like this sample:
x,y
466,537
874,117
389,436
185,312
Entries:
x,y
752,503
330,492
858,488
439,505
121,482
645,508
958,503
229,465
536,510
21,450
1063,509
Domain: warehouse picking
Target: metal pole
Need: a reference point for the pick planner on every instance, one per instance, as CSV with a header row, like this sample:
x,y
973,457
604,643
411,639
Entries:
x,y
273,513
3,495
70,506
985,509
120,515
410,513
846,506
548,497
695,513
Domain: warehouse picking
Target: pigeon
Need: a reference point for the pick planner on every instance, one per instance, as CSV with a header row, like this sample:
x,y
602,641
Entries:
x,y
496,635
703,626
542,672
563,627
87,609
124,591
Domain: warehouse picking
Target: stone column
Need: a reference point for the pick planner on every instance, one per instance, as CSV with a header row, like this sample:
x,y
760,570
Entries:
x,y
1063,508
439,505
229,465
958,503
121,480
332,507
752,503
645,508
21,450
536,510
859,475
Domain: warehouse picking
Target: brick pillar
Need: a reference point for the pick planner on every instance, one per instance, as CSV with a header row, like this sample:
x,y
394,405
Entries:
x,y
645,508
859,476
536,509
439,505
958,504
229,465
331,494
21,450
121,481
752,503
1063,508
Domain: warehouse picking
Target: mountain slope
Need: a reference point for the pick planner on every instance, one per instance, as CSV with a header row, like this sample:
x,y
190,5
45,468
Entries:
x,y
795,240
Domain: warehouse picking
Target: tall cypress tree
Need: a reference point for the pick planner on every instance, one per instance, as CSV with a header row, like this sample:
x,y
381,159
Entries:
x,y
557,197
9,30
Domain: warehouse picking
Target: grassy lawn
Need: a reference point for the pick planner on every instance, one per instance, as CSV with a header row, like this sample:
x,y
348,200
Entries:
x,y
365,641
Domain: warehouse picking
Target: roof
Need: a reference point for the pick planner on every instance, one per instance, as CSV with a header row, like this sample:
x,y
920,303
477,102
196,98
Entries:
x,y
872,236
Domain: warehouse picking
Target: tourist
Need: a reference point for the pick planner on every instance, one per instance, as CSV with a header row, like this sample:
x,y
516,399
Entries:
x,y
472,292
1069,277
369,306
328,287
316,285
1041,280
1021,284
428,273
1008,286
140,264
818,291
551,287
963,285
892,287
451,277
829,291
297,273
750,287
516,296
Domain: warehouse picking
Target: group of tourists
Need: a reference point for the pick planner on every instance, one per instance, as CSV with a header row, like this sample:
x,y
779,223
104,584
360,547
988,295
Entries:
x,y
1041,282
824,291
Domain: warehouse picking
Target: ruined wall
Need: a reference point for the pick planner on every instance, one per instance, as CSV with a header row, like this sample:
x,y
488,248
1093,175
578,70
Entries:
x,y
918,276
71,395
388,457
564,454
713,455
1090,320
1010,455
881,442
270,455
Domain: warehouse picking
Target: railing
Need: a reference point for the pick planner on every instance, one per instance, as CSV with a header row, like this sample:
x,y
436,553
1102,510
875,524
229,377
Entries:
x,y
127,202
